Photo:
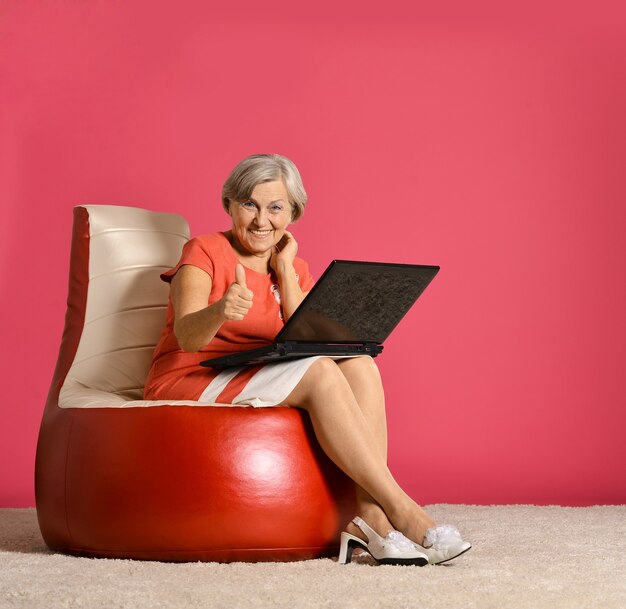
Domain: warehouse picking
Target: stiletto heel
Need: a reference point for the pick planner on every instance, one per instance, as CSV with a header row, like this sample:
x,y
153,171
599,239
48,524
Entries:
x,y
349,543
395,549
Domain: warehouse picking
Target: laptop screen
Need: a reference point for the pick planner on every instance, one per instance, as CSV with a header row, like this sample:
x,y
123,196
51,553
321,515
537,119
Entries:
x,y
355,302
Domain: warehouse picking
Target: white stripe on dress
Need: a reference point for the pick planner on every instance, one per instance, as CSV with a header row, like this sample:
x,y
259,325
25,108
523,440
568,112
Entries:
x,y
218,384
274,382
270,386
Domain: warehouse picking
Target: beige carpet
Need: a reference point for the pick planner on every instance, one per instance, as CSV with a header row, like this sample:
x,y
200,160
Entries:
x,y
523,557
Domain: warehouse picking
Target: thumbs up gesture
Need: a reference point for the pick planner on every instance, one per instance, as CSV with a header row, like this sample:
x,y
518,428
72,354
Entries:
x,y
238,298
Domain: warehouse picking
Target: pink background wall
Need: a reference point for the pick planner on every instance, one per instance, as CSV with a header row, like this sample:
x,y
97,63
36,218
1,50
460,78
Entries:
x,y
490,141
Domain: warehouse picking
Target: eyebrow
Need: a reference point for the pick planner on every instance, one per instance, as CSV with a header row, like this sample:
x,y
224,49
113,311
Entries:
x,y
256,202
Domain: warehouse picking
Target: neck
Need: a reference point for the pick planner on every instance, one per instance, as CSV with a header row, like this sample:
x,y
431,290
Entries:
x,y
257,262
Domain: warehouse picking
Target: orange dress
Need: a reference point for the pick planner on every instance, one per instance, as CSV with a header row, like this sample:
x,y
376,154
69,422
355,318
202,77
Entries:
x,y
176,374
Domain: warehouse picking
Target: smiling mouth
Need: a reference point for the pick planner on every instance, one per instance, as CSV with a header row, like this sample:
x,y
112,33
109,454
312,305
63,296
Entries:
x,y
260,233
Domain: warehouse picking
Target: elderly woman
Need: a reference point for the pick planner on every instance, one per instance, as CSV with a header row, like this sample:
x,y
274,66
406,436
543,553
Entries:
x,y
234,290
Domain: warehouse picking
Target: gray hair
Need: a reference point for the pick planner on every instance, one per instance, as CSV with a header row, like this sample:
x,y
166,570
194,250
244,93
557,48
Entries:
x,y
259,168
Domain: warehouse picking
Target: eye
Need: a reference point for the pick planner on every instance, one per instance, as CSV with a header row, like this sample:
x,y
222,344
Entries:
x,y
248,205
276,208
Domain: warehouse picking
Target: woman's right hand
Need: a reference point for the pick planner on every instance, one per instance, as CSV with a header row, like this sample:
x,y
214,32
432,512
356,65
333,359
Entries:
x,y
238,298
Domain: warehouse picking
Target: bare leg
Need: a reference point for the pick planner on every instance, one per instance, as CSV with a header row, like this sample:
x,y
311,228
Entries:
x,y
345,435
364,379
365,382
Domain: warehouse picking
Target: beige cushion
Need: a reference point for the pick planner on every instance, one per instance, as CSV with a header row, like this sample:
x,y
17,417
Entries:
x,y
126,303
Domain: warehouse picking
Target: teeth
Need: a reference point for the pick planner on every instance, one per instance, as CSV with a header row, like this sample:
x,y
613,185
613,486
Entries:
x,y
260,233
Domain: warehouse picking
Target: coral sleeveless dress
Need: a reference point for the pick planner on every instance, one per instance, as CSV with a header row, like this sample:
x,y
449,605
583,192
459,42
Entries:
x,y
176,375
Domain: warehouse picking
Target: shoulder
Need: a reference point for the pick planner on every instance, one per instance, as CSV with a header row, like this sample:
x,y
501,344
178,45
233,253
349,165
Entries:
x,y
213,246
208,243
206,252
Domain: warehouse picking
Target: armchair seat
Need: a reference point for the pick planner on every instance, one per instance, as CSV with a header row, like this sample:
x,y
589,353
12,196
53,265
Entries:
x,y
118,476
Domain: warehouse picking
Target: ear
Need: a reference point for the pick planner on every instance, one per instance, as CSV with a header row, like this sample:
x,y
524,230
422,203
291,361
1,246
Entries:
x,y
228,205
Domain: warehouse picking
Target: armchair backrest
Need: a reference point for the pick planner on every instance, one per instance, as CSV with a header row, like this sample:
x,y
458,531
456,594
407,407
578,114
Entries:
x,y
117,256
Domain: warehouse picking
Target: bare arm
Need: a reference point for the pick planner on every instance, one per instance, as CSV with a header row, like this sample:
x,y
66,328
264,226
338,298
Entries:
x,y
195,323
282,262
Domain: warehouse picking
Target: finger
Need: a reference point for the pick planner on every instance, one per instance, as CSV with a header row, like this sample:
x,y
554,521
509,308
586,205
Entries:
x,y
241,309
240,280
240,276
289,241
241,306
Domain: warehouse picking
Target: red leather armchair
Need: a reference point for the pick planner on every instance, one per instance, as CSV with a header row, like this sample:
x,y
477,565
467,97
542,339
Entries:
x,y
117,476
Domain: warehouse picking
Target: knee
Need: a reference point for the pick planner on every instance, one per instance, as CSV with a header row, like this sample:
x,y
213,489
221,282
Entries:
x,y
362,368
324,371
367,365
323,378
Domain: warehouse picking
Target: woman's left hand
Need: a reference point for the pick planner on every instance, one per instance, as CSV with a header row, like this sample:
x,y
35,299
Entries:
x,y
284,253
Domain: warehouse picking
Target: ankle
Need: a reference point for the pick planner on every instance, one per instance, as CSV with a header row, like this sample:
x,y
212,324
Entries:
x,y
374,516
413,521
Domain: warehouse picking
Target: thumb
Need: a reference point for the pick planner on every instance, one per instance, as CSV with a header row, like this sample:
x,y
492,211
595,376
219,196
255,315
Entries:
x,y
240,276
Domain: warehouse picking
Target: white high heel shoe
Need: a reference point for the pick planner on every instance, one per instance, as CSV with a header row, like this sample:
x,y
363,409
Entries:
x,y
443,543
395,549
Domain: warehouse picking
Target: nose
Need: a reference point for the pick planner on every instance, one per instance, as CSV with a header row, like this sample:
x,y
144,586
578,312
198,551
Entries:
x,y
261,217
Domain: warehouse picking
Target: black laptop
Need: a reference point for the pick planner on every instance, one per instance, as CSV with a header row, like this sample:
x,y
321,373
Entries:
x,y
351,310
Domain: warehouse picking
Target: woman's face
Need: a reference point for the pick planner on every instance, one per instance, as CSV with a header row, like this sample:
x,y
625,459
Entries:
x,y
260,222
